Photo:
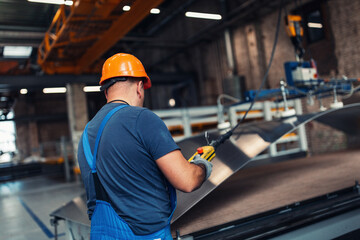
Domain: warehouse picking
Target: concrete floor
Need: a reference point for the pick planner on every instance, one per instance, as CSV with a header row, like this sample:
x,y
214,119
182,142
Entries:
x,y
25,206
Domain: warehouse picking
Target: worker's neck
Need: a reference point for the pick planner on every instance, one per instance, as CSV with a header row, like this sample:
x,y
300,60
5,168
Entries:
x,y
123,98
129,95
119,101
119,98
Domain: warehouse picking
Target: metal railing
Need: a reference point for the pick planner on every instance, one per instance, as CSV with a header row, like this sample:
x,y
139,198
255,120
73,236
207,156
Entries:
x,y
185,122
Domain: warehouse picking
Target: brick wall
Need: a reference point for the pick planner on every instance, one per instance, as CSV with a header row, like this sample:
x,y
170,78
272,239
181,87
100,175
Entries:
x,y
40,119
337,54
345,23
344,27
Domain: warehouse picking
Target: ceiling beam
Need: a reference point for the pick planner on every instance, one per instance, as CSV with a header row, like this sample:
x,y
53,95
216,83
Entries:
x,y
9,83
21,34
19,38
19,43
22,28
35,82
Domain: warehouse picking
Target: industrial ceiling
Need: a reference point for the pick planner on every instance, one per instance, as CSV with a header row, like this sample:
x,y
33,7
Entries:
x,y
80,36
70,42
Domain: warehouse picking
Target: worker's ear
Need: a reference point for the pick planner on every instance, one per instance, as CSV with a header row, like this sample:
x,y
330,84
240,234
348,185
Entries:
x,y
140,88
106,94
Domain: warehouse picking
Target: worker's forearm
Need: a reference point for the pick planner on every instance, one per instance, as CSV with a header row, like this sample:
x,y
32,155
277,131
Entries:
x,y
182,175
189,179
197,177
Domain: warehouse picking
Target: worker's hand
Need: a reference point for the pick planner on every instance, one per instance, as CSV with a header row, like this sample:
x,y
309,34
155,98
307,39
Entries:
x,y
206,152
203,162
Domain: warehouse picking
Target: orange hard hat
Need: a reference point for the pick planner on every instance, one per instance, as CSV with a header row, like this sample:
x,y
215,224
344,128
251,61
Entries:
x,y
124,65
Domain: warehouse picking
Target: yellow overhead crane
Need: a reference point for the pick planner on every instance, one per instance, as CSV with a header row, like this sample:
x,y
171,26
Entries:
x,y
81,33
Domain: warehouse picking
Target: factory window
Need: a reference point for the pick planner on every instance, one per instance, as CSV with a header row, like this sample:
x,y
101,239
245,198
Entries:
x,y
314,26
7,140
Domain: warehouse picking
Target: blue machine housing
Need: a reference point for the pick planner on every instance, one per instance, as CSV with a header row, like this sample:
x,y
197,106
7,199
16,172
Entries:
x,y
289,67
298,88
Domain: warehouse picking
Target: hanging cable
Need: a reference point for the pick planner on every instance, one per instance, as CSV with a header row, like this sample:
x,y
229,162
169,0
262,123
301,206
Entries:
x,y
269,65
224,137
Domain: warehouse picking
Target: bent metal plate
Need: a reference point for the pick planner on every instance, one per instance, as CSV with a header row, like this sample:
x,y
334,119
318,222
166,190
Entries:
x,y
251,139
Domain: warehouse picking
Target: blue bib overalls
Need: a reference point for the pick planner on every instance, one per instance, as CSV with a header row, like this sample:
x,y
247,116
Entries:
x,y
106,224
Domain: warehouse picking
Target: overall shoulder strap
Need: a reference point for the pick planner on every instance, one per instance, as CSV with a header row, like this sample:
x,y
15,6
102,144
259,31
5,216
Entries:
x,y
91,157
101,128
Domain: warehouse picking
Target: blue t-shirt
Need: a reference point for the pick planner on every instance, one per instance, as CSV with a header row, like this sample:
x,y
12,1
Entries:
x,y
132,140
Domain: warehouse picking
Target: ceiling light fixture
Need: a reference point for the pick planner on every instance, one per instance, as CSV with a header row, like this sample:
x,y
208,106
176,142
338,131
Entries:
x,y
155,11
314,25
59,2
17,51
23,91
54,90
203,15
126,8
172,102
91,89
69,3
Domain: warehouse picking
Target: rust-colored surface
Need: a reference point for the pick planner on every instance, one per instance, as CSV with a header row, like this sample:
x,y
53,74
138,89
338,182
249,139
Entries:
x,y
80,34
7,66
255,190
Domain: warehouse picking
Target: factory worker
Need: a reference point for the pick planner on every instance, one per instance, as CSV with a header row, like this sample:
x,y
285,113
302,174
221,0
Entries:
x,y
130,164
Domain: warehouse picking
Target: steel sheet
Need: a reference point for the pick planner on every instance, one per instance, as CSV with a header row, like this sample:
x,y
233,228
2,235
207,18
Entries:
x,y
248,140
75,211
345,119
